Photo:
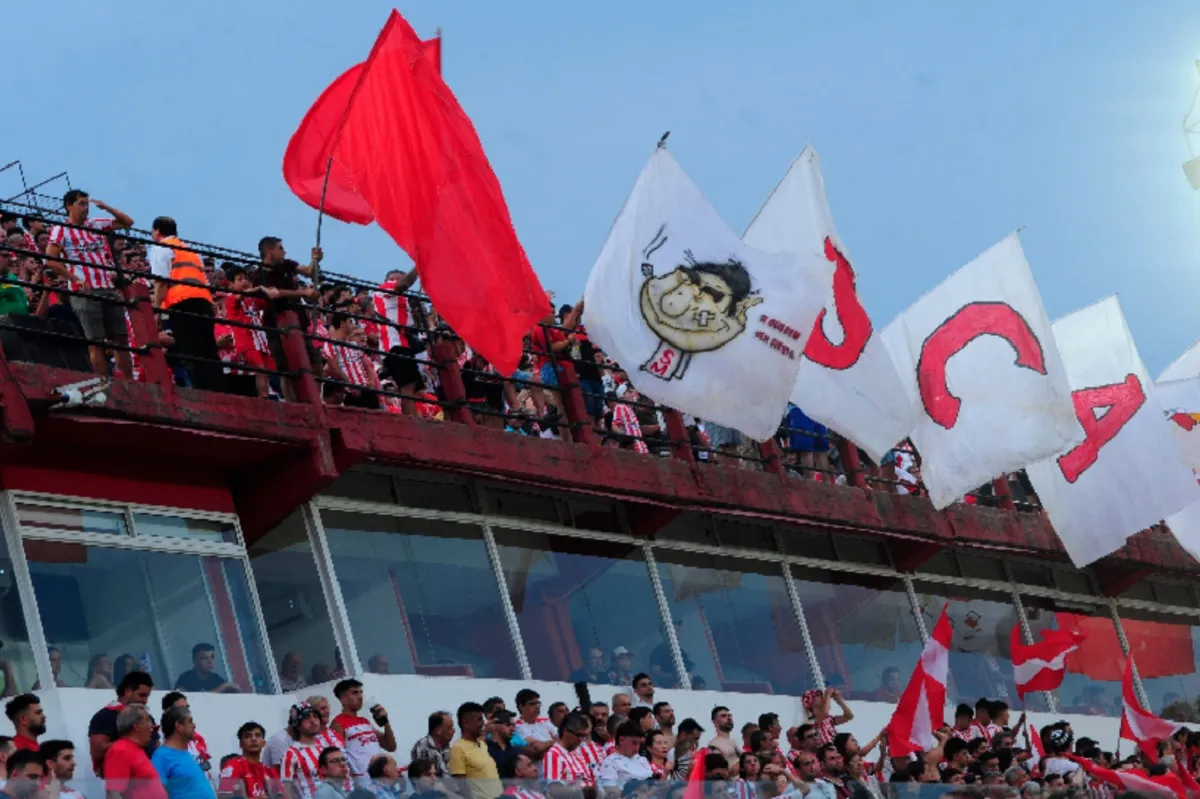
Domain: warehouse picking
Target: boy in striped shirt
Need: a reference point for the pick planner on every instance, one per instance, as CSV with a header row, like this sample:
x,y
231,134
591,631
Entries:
x,y
350,365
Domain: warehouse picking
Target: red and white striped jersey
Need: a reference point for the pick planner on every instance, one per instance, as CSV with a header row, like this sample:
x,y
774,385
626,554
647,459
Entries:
x,y
29,243
91,248
393,308
559,765
744,789
625,421
355,365
589,754
967,735
300,767
329,737
247,310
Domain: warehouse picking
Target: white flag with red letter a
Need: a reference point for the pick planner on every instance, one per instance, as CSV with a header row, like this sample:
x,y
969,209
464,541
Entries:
x,y
978,357
851,386
698,320
1128,472
922,706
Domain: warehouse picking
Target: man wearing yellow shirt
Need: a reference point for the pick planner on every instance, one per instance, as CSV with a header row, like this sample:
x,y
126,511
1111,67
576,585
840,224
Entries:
x,y
469,758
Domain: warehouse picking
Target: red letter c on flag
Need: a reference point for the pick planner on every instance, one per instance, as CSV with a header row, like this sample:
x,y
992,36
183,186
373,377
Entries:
x,y
964,326
856,325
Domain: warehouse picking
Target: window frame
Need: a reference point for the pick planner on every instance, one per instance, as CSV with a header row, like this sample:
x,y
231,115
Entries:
x,y
16,533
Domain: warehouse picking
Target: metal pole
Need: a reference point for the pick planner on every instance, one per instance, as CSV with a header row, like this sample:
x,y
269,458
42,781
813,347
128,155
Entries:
x,y
798,610
510,614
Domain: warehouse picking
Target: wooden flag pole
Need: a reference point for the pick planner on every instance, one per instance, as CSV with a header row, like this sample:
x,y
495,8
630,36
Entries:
x,y
321,216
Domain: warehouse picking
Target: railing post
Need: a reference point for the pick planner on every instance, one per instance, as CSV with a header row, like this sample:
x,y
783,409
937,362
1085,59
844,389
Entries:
x,y
295,349
772,460
145,334
851,463
446,361
681,444
1003,492
574,406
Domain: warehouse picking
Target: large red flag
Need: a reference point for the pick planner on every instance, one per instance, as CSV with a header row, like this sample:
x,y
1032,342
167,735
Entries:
x,y
311,146
414,157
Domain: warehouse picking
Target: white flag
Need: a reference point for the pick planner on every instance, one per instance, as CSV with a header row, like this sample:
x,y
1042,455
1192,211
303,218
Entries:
x,y
698,320
847,379
1180,401
1185,366
978,356
1128,472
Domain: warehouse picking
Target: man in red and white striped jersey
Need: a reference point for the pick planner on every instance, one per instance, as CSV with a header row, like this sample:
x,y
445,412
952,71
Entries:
x,y
563,764
350,366
300,770
391,308
84,244
363,742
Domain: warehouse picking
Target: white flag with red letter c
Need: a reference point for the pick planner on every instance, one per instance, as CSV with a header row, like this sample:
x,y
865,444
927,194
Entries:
x,y
851,386
978,358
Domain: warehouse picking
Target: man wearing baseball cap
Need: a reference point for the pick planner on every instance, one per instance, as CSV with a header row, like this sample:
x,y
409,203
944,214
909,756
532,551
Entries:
x,y
621,671
301,762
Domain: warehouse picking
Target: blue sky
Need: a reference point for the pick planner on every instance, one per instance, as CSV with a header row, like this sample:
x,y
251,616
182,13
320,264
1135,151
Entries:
x,y
942,126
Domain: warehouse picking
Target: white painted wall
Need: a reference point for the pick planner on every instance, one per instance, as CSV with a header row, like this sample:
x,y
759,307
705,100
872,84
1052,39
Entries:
x,y
410,699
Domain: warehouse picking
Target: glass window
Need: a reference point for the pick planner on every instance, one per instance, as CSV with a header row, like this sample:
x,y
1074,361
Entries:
x,y
33,515
293,606
581,604
863,630
980,656
1092,685
14,635
735,623
180,527
421,596
105,609
1165,648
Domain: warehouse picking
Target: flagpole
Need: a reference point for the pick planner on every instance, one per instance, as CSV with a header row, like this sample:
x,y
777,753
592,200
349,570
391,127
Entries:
x,y
321,215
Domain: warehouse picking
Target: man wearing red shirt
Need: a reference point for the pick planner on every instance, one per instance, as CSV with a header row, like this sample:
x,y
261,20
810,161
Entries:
x,y
28,719
127,770
245,775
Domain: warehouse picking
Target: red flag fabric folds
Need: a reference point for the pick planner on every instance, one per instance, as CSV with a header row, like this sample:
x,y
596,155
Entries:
x,y
414,158
312,144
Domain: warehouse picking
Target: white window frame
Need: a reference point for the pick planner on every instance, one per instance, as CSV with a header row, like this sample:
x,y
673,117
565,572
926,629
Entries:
x,y
1011,589
15,533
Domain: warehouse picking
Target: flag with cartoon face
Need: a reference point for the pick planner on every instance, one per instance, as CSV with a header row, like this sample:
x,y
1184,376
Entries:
x,y
699,321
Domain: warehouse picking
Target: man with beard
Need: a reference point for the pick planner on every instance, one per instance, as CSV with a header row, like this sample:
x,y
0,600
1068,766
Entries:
x,y
723,742
834,768
28,719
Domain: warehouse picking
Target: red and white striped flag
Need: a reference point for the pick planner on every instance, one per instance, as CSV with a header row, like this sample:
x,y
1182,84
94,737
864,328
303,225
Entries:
x,y
922,706
1041,666
1140,725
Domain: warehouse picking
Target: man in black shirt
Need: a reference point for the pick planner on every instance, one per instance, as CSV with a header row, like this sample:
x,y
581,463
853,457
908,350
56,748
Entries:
x,y
279,275
134,689
499,744
202,678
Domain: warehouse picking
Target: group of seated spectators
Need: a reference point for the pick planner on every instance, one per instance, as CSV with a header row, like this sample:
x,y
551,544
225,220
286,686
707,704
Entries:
x,y
219,326
631,746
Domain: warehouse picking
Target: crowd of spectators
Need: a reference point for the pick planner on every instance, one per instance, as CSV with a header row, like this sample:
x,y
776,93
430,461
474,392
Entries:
x,y
631,746
369,346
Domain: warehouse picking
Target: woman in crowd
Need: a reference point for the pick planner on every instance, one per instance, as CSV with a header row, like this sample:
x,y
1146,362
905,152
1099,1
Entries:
x,y
100,673
656,749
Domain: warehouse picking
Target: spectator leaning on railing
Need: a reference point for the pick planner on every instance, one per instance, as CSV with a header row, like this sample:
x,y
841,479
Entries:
x,y
91,272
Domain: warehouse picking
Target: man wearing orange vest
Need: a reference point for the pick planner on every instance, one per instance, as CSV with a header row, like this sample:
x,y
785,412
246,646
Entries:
x,y
188,303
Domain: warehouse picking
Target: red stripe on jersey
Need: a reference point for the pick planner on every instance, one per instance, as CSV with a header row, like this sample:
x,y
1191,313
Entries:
x,y
88,247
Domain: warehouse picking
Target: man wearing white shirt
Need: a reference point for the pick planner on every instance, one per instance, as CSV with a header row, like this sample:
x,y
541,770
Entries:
x,y
625,763
643,691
